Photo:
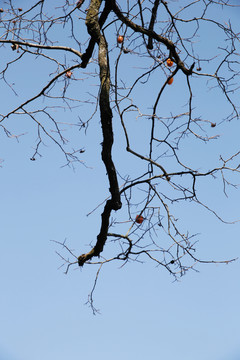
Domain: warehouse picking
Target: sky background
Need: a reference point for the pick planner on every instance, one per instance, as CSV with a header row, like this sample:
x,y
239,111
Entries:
x,y
143,313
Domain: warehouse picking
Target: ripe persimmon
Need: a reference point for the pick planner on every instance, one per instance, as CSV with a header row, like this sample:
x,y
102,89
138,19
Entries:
x,y
169,62
139,219
120,39
170,81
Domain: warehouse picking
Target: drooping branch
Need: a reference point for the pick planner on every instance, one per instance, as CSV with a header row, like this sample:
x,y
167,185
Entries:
x,y
114,203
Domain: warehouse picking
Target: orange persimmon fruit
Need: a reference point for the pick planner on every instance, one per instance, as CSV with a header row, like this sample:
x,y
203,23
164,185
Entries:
x,y
120,39
170,81
139,219
169,62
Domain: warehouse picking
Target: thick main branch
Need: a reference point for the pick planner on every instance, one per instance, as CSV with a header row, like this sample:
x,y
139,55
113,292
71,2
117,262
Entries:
x,y
114,203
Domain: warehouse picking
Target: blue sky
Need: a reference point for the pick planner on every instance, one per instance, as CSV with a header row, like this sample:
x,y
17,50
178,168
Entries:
x,y
143,313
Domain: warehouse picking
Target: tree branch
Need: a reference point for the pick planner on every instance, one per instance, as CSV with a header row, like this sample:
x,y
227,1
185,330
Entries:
x,y
106,121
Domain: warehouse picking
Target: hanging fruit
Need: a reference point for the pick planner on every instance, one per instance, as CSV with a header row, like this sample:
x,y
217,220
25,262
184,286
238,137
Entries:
x,y
170,81
120,39
14,47
169,62
68,74
139,219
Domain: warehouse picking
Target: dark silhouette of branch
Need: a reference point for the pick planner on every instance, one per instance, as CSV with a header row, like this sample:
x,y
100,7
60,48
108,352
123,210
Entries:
x,y
106,121
154,122
152,21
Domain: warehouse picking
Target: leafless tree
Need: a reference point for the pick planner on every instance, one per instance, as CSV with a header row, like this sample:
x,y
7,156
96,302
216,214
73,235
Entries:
x,y
122,47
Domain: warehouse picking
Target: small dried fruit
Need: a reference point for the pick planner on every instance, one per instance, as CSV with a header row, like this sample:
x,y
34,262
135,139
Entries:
x,y
170,81
19,9
14,46
213,125
139,219
1,10
68,74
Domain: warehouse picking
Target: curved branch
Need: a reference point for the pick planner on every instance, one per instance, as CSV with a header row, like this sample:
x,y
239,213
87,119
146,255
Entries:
x,y
39,46
42,92
150,33
106,121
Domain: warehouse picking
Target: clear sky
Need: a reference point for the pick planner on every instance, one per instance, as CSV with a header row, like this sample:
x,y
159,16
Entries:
x,y
143,313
